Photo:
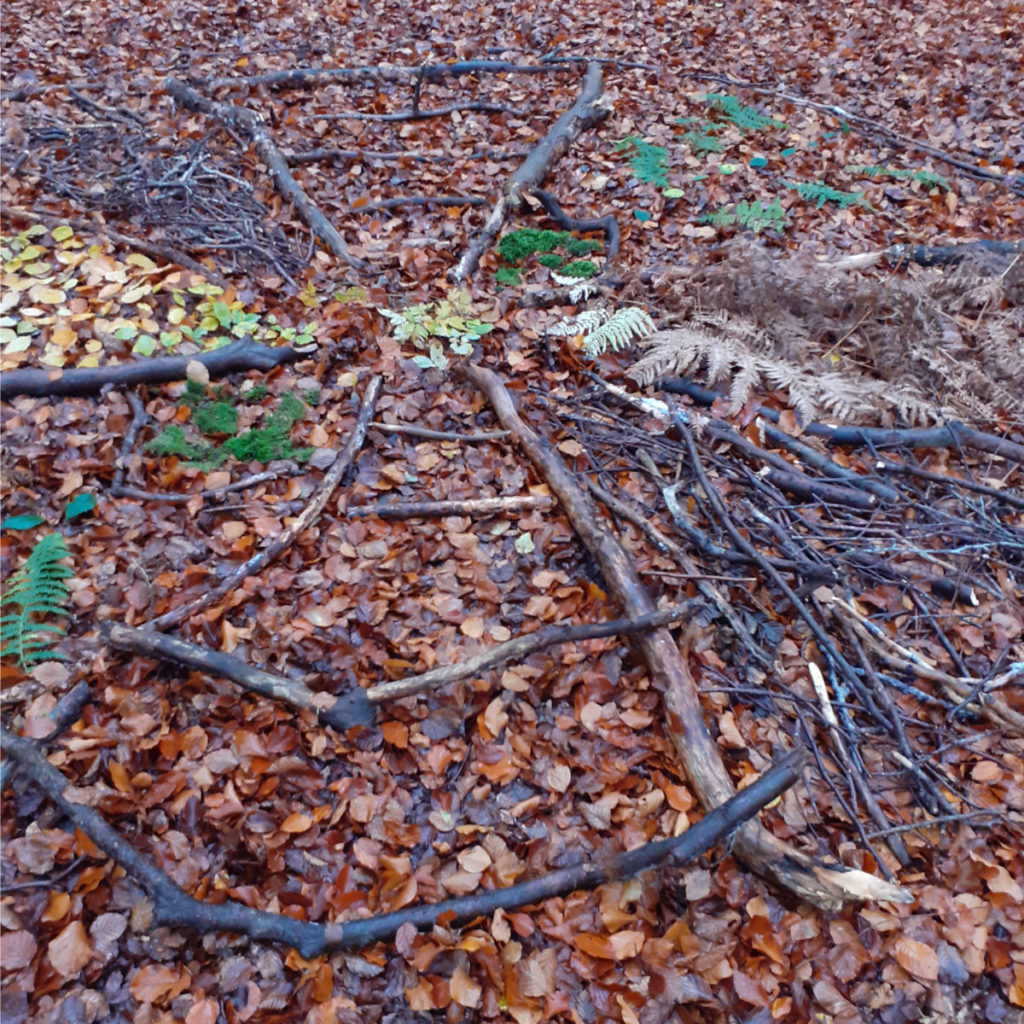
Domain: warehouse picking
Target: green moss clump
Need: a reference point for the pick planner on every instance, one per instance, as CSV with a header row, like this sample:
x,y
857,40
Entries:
x,y
517,245
581,246
580,268
216,418
272,441
550,259
172,441
507,275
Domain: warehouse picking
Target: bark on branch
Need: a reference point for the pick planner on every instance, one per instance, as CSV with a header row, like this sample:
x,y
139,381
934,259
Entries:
x,y
827,886
239,355
173,906
251,126
589,109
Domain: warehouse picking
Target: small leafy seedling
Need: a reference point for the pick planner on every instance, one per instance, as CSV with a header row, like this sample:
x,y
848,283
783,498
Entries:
x,y
429,325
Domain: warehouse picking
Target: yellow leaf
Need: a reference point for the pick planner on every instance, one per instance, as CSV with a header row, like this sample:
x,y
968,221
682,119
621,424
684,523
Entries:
x,y
136,259
46,295
62,233
136,293
53,357
65,337
175,315
88,362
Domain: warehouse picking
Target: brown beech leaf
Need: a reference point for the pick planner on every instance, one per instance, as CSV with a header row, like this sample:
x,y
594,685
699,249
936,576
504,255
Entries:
x,y
203,1011
156,983
465,991
538,973
296,823
70,951
17,949
916,958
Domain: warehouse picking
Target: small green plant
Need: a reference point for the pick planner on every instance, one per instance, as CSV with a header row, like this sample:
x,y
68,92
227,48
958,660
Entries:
x,y
37,591
603,329
428,325
703,141
649,162
753,216
819,193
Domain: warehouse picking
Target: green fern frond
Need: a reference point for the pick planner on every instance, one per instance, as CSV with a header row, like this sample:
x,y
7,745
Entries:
x,y
649,162
819,193
747,119
36,590
601,329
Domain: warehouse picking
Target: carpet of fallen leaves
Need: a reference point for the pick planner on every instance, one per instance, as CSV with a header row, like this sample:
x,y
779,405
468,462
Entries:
x,y
526,769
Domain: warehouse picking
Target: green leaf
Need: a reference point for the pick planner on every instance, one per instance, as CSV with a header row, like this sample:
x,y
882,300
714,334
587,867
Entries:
x,y
641,215
758,161
126,333
23,522
145,346
673,193
62,233
524,544
80,505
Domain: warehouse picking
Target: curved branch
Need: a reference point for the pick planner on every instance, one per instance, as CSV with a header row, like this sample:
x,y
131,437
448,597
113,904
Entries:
x,y
173,906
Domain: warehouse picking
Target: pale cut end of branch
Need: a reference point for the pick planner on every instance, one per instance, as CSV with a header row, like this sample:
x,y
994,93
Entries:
x,y
829,886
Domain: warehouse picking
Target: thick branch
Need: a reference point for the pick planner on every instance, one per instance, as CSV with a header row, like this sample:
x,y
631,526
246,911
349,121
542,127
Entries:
x,y
341,713
239,355
306,77
173,906
251,126
826,886
951,436
589,109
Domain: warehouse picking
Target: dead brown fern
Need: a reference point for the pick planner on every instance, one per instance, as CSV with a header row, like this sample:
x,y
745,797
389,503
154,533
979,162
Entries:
x,y
913,346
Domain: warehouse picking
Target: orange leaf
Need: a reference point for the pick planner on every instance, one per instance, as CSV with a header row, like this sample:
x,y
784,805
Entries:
x,y
917,958
296,823
155,983
70,951
465,991
396,734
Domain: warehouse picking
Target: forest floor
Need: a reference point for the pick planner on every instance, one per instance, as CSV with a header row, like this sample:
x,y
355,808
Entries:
x,y
761,162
